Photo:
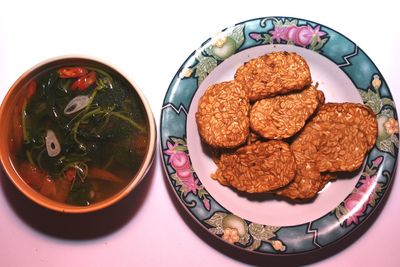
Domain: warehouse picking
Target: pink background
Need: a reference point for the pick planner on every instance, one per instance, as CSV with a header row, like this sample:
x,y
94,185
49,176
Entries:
x,y
149,41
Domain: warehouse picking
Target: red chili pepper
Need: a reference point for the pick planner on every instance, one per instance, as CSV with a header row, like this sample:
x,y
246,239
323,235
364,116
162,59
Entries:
x,y
70,174
72,72
84,82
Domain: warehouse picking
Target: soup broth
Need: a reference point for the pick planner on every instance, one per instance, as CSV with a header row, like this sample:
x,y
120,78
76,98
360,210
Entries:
x,y
80,134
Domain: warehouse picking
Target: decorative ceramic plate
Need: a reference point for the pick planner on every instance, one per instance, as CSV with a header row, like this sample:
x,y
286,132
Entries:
x,y
266,224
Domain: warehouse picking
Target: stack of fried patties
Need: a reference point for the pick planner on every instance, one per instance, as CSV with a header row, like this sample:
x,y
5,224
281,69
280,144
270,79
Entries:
x,y
273,132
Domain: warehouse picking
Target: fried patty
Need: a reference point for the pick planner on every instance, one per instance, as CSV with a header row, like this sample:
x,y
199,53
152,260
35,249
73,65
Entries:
x,y
222,115
283,116
272,74
258,167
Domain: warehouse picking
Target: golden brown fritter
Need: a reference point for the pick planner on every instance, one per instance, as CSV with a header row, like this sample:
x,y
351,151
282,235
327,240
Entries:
x,y
332,146
351,114
272,74
222,115
307,183
282,116
259,167
333,141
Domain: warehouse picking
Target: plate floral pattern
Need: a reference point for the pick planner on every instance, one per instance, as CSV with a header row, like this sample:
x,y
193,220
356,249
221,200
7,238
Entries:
x,y
376,176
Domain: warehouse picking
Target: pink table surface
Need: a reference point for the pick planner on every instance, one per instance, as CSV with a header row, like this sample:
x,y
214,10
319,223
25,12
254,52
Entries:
x,y
149,41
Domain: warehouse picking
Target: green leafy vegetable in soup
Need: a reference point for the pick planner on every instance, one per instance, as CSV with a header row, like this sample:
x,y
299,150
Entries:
x,y
84,132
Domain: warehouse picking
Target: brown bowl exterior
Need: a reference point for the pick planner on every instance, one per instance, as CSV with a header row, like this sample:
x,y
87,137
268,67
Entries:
x,y
7,115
